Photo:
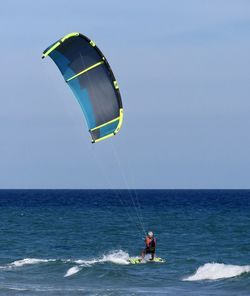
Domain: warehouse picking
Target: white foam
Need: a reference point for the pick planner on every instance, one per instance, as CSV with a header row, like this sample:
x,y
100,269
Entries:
x,y
72,270
215,271
29,261
117,257
87,262
25,261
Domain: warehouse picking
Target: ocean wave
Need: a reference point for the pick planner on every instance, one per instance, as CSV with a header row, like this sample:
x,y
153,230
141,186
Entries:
x,y
30,261
215,271
72,270
117,257
25,261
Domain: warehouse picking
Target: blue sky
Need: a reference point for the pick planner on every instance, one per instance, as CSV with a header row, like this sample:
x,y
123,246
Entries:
x,y
183,68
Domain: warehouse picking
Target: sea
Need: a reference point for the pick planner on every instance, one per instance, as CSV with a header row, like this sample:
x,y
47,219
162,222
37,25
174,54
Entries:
x,y
77,242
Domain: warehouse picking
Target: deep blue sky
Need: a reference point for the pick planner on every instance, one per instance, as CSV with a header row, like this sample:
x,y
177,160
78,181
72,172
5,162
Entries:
x,y
183,68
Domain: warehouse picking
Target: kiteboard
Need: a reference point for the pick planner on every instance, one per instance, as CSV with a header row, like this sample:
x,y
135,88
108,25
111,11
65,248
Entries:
x,y
137,260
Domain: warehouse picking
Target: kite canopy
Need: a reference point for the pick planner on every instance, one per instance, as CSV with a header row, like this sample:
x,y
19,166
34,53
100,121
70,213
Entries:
x,y
87,72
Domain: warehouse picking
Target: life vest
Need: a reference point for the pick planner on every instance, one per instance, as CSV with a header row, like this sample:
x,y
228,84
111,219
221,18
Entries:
x,y
150,244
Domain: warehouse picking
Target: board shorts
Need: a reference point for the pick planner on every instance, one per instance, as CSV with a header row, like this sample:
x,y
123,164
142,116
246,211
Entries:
x,y
149,251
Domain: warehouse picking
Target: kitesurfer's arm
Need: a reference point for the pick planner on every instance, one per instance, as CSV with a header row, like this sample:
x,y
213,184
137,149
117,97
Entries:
x,y
147,241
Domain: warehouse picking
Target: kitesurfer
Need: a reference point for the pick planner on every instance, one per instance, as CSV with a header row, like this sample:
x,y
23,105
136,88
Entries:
x,y
150,242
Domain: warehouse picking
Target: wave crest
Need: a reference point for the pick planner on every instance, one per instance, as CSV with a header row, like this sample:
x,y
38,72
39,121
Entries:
x,y
116,257
215,271
29,261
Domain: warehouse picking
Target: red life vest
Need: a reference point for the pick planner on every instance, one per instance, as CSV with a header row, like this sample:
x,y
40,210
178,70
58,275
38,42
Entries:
x,y
150,243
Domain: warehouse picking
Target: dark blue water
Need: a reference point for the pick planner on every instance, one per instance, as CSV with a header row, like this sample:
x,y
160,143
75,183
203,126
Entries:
x,y
76,242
